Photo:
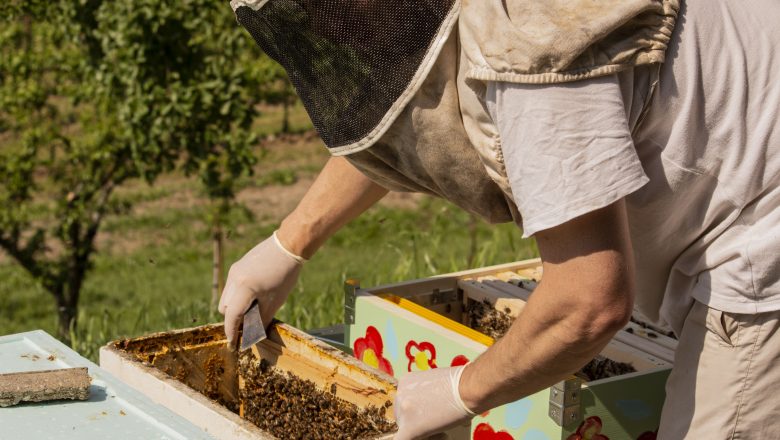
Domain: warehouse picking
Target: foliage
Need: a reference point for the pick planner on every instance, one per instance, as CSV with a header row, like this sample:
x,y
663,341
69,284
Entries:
x,y
14,9
101,92
53,191
160,280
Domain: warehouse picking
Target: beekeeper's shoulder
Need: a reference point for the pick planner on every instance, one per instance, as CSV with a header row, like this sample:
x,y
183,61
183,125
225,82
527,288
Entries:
x,y
549,41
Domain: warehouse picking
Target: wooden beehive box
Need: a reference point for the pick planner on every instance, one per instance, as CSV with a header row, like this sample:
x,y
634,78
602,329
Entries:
x,y
195,374
417,325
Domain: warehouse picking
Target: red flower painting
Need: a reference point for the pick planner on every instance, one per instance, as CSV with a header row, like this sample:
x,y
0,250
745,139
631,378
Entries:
x,y
484,431
459,360
369,350
589,429
421,356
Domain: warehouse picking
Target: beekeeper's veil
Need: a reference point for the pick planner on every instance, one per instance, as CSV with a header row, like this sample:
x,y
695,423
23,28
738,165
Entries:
x,y
354,63
378,79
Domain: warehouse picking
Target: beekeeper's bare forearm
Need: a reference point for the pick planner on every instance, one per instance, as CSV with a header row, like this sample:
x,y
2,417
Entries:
x,y
585,297
339,194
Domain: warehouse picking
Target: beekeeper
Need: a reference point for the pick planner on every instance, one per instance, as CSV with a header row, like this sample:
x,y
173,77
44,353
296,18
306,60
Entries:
x,y
638,141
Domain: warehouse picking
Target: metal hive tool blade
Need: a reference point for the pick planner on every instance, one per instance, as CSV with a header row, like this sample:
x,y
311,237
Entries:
x,y
254,330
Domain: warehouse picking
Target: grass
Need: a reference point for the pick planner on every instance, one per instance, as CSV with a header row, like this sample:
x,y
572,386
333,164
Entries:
x,y
153,269
271,120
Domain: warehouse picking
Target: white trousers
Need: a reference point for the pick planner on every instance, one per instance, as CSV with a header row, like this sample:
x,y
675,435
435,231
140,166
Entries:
x,y
725,383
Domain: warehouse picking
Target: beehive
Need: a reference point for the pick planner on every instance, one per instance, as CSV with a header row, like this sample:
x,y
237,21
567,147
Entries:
x,y
195,374
418,325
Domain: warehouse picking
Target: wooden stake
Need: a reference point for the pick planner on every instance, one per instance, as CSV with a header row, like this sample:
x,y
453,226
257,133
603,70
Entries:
x,y
217,278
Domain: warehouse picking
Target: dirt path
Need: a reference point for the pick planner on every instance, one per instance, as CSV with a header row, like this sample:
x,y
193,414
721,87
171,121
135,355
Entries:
x,y
302,155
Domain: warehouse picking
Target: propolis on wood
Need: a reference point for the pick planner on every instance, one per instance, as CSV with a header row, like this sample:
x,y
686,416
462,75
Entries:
x,y
290,386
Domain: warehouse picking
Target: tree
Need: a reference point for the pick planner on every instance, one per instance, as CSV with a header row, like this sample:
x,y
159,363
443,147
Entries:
x,y
103,93
54,187
199,70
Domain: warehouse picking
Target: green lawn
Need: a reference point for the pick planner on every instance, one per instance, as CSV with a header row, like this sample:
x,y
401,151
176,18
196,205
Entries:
x,y
153,268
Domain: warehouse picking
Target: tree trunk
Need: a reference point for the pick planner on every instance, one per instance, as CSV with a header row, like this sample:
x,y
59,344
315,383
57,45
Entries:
x,y
286,114
217,283
66,296
66,317
28,34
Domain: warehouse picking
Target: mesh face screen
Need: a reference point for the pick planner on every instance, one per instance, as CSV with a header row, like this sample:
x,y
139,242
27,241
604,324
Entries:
x,y
349,60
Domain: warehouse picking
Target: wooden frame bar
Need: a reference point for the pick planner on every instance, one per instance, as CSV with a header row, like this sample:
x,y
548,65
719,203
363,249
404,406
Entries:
x,y
286,348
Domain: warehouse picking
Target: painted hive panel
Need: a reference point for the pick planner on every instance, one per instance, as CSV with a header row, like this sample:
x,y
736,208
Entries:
x,y
423,324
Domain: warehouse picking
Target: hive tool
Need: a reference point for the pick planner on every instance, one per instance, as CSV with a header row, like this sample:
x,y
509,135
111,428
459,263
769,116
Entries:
x,y
254,330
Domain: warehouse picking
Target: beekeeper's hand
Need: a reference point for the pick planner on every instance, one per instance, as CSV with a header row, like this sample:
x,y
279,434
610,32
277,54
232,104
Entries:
x,y
429,402
269,271
266,273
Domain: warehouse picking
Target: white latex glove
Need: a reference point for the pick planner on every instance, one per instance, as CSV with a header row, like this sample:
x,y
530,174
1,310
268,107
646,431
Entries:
x,y
429,402
267,273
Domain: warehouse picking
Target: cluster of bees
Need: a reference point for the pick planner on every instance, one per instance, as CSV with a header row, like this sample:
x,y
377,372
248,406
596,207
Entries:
x,y
293,408
484,318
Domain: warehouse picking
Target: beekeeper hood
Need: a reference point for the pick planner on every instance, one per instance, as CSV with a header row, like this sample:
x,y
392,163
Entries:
x,y
354,63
